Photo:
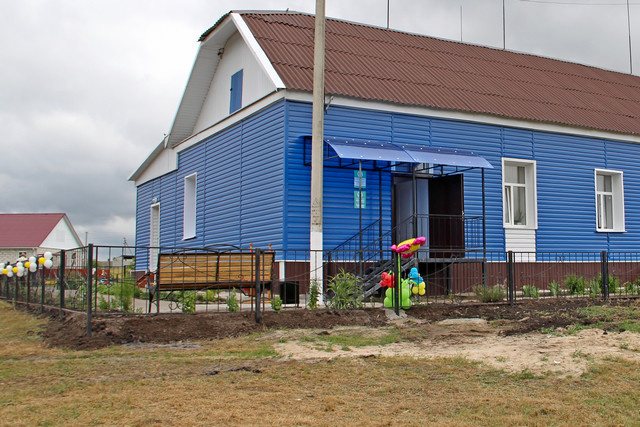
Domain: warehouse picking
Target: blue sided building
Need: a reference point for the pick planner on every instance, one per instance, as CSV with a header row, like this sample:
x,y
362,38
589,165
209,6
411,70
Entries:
x,y
476,148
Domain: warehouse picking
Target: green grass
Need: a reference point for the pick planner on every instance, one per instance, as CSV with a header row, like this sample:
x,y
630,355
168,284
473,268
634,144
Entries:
x,y
242,381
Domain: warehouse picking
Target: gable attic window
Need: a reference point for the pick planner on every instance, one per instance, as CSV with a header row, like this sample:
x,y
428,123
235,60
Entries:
x,y
609,201
235,98
519,193
189,207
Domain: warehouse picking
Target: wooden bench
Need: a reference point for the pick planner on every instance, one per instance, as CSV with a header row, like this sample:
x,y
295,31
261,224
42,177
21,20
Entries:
x,y
198,271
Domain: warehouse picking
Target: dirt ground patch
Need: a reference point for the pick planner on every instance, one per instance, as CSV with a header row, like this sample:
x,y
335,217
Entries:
x,y
522,317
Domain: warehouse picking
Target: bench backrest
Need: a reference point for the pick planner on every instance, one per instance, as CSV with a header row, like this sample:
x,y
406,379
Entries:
x,y
213,268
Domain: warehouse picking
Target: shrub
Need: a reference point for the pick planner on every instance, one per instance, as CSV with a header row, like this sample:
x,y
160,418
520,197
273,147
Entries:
x,y
188,300
530,291
632,288
276,304
554,288
575,285
314,295
346,290
490,293
595,288
232,302
614,284
210,295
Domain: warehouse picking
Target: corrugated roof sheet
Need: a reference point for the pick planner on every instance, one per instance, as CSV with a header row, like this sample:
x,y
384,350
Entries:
x,y
374,63
26,230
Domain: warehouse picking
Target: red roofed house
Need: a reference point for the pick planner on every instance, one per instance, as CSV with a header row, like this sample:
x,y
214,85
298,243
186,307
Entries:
x,y
35,233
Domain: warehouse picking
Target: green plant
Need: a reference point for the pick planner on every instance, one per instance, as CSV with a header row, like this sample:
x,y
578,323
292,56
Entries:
x,y
232,302
530,291
276,304
210,295
346,291
188,301
554,288
575,285
614,284
314,295
490,293
595,288
632,288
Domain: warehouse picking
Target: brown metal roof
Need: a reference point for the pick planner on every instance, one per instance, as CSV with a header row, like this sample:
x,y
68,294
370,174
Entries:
x,y
390,66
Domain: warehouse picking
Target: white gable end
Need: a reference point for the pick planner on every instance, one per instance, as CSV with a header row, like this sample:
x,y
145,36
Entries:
x,y
61,237
256,84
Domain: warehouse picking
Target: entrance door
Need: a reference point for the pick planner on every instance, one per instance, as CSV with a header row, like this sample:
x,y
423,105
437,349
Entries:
x,y
446,223
403,208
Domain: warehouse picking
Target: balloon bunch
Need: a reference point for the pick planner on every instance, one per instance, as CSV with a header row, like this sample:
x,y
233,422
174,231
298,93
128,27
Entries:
x,y
417,283
21,268
408,247
388,281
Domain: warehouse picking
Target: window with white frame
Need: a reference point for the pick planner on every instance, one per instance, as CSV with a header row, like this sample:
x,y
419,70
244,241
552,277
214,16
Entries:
x,y
519,193
609,200
189,208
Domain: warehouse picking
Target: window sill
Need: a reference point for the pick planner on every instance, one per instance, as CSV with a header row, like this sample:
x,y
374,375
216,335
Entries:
x,y
519,227
610,231
188,238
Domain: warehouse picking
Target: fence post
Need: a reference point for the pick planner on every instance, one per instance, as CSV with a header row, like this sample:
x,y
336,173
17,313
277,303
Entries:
x,y
396,278
42,270
604,262
61,273
510,278
258,284
28,280
89,285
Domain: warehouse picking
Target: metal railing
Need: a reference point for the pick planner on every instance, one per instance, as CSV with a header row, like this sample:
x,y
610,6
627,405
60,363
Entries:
x,y
102,281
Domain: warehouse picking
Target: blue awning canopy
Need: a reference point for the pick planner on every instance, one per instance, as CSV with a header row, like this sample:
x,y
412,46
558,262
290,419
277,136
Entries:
x,y
368,150
405,152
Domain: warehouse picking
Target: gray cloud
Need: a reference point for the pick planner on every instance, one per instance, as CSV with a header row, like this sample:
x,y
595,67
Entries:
x,y
88,88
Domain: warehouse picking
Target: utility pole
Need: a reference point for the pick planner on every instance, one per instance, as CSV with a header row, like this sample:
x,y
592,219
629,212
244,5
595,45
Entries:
x,y
317,138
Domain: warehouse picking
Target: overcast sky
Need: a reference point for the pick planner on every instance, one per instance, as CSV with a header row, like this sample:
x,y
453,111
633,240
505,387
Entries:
x,y
89,87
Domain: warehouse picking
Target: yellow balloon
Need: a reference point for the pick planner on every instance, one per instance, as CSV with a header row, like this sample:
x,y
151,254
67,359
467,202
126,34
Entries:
x,y
15,269
41,260
422,292
27,264
5,271
414,289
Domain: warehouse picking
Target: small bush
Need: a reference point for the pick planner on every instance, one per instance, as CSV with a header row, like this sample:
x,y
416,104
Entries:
x,y
210,295
188,301
595,288
314,295
490,293
554,288
614,284
232,302
632,288
530,291
346,289
276,304
575,285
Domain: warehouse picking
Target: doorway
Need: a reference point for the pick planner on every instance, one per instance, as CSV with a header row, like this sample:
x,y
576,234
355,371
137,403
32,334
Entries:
x,y
438,215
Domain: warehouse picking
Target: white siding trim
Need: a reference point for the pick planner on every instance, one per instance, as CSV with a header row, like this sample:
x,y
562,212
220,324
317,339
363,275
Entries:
x,y
520,240
257,51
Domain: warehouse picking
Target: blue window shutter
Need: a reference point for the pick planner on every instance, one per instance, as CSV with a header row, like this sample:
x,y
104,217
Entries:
x,y
236,92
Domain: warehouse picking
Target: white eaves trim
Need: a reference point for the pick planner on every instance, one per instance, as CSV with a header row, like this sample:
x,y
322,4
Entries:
x,y
257,51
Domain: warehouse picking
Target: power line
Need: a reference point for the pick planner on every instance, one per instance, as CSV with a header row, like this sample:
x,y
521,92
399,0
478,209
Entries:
x,y
573,3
